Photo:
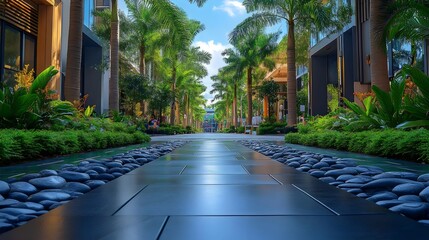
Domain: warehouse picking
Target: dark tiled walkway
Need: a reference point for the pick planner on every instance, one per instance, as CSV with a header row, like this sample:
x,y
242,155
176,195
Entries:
x,y
218,190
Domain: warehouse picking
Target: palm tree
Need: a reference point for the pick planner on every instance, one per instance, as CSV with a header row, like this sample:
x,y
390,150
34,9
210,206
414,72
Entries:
x,y
74,52
225,87
378,60
251,51
408,19
297,14
222,87
114,59
154,20
190,70
177,50
74,49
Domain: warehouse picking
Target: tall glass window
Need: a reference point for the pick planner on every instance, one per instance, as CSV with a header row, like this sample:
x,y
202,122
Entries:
x,y
29,52
402,52
88,8
18,49
12,54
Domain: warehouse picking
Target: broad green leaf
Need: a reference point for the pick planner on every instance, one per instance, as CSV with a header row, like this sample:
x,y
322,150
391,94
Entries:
x,y
396,93
354,107
369,105
386,105
43,79
5,110
24,103
414,124
419,78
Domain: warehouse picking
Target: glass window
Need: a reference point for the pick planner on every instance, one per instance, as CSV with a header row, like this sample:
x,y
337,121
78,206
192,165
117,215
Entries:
x,y
12,54
404,52
12,51
87,13
29,52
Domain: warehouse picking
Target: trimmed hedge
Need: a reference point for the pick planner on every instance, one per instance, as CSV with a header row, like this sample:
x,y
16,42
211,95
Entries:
x,y
275,128
22,145
408,145
167,129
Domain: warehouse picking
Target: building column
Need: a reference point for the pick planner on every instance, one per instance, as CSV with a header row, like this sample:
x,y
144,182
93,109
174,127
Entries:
x,y
266,113
49,41
318,82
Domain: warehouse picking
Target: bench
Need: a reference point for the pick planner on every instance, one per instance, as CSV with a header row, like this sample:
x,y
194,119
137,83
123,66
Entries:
x,y
248,129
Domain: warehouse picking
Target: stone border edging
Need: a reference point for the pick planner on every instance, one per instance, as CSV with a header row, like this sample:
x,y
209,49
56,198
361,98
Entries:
x,y
406,193
34,194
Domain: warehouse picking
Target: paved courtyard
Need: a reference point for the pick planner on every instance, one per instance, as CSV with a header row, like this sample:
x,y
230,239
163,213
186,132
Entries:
x,y
215,188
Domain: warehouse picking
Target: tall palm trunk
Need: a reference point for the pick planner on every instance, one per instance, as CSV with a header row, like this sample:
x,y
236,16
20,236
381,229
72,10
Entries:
x,y
249,96
142,64
291,74
378,61
234,106
114,59
227,116
177,113
173,102
74,52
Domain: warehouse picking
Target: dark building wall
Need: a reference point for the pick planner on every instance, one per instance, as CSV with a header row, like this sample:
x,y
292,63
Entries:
x,y
332,74
363,41
92,55
318,82
348,64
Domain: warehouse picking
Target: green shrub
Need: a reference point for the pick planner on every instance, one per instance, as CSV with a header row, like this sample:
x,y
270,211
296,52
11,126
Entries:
x,y
240,129
23,145
275,128
408,145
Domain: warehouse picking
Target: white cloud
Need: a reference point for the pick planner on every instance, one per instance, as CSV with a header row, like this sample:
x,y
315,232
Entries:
x,y
231,7
215,49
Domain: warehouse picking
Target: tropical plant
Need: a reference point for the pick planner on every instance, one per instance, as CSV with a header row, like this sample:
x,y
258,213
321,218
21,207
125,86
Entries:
x,y
270,90
333,94
418,104
134,88
298,14
32,108
24,78
250,52
385,110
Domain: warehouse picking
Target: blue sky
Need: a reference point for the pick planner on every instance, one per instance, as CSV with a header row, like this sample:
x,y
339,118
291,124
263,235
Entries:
x,y
219,18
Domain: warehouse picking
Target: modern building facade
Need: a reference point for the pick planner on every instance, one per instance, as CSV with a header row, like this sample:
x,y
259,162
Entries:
x,y
343,59
35,32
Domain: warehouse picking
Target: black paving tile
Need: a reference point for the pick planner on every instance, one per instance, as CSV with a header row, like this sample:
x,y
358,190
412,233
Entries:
x,y
158,170
382,227
226,191
103,201
142,180
340,201
50,227
223,200
214,169
270,169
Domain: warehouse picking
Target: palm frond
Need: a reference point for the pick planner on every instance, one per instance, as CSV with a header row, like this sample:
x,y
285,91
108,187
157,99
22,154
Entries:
x,y
253,24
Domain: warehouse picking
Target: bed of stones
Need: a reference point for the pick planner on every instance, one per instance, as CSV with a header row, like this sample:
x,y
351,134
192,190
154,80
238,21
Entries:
x,y
403,192
35,194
